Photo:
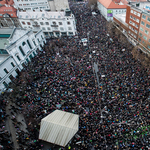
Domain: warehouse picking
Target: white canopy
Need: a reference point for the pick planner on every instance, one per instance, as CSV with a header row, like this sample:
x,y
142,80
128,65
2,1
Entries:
x,y
59,127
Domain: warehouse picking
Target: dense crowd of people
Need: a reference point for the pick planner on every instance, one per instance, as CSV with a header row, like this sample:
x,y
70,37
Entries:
x,y
113,115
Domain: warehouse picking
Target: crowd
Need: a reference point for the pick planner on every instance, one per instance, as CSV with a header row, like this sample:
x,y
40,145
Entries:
x,y
61,77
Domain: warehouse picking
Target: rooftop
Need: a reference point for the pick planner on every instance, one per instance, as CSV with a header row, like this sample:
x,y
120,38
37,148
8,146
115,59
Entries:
x,y
144,6
40,14
121,17
109,4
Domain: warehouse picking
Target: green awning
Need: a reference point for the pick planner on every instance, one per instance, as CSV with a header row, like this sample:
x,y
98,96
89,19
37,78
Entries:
x,y
109,11
4,35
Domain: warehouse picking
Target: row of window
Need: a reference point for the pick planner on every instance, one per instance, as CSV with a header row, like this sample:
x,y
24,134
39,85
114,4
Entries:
x,y
28,4
147,32
144,37
143,23
132,34
58,33
6,71
135,13
46,23
134,24
144,17
135,19
133,29
144,42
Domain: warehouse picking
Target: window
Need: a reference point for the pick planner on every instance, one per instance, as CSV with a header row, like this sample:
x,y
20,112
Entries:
x,y
140,34
28,23
141,29
131,17
130,22
34,42
140,39
143,23
137,20
54,22
43,28
148,46
134,18
23,23
144,37
21,50
29,44
131,11
61,28
143,16
135,31
23,44
48,28
47,23
69,28
129,27
138,14
136,26
133,24
41,36
148,19
149,40
41,23
146,32
70,33
68,23
12,64
135,12
147,25
60,23
6,71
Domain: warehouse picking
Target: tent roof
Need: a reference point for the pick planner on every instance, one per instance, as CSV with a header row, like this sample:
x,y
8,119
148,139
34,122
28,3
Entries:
x,y
59,127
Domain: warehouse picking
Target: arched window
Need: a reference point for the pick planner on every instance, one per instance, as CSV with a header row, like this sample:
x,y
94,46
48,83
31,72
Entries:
x,y
29,44
21,50
23,43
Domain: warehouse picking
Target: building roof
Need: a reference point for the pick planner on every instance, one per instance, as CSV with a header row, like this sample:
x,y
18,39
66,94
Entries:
x,y
8,2
40,14
143,6
59,127
109,4
10,10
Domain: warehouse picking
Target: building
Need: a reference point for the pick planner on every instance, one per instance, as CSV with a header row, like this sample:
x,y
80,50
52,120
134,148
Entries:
x,y
138,20
17,47
8,2
8,16
109,8
32,4
58,5
50,5
133,17
53,24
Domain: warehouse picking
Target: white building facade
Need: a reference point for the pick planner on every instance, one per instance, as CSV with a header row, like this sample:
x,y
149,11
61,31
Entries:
x,y
51,5
32,4
23,46
53,24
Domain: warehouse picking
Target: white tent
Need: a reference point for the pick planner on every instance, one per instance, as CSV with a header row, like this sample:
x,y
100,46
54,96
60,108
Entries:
x,y
59,127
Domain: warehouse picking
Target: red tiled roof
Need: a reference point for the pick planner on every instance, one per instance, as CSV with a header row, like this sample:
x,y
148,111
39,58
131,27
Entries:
x,y
8,2
8,10
109,4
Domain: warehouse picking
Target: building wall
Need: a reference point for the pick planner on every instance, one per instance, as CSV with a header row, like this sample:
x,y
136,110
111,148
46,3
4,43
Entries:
x,y
109,13
13,50
144,31
4,77
134,23
47,25
30,5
